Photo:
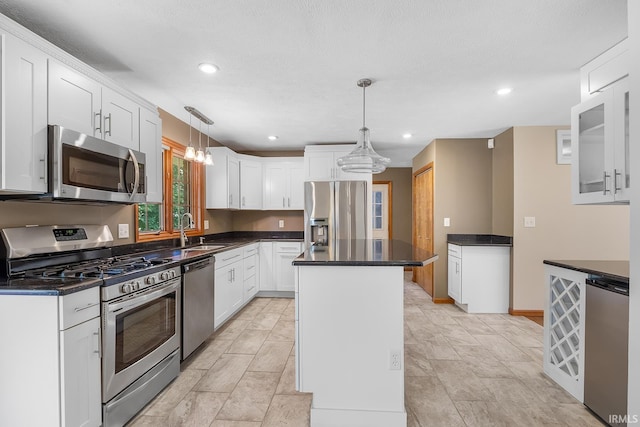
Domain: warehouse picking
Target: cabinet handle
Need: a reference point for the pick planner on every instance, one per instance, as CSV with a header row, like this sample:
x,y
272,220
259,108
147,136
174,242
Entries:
x,y
243,201
98,120
230,276
234,275
44,170
457,268
77,309
107,131
99,335
283,202
230,199
604,181
616,174
232,257
289,201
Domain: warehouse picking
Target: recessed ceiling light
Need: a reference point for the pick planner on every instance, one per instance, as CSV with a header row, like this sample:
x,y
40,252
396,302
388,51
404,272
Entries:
x,y
504,91
205,67
407,135
272,137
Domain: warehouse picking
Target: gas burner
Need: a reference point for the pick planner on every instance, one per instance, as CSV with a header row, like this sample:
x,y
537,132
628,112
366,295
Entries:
x,y
99,268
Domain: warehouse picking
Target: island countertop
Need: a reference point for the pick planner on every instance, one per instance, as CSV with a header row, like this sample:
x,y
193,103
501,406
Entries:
x,y
618,270
366,252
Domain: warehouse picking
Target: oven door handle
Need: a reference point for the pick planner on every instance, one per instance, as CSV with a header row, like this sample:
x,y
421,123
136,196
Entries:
x,y
136,169
142,299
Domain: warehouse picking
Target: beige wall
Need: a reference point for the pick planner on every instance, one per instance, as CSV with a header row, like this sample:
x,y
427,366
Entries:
x,y
19,214
502,184
267,220
563,231
462,192
178,131
401,203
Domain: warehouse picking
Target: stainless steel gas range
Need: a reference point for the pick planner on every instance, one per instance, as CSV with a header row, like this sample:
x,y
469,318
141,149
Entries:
x,y
140,306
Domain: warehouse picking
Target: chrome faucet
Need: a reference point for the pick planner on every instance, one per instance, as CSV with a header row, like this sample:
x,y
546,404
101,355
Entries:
x,y
183,234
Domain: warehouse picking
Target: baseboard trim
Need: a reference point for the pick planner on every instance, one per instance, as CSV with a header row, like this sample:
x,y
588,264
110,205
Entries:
x,y
443,300
531,313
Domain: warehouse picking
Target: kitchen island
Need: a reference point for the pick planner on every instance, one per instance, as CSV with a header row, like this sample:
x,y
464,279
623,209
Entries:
x,y
349,330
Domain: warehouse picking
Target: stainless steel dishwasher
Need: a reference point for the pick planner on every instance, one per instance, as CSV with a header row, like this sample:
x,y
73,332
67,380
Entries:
x,y
606,349
197,303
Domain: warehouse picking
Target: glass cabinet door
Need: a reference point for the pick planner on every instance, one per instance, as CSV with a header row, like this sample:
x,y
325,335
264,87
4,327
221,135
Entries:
x,y
591,136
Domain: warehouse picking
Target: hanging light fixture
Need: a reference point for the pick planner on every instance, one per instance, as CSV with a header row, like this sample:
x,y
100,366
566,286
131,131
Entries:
x,y
190,152
208,158
200,153
363,158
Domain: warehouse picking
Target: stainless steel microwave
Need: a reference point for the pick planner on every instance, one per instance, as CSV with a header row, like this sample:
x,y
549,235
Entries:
x,y
86,168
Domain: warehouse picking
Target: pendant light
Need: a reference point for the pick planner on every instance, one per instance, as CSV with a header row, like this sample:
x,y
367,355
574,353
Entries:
x,y
200,153
208,158
363,159
190,152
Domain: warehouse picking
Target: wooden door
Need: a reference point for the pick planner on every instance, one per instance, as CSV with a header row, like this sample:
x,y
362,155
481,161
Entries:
x,y
423,223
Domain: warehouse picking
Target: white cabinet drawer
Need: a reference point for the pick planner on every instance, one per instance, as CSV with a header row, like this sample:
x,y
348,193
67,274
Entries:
x,y
250,266
79,307
228,257
455,250
288,247
250,287
250,250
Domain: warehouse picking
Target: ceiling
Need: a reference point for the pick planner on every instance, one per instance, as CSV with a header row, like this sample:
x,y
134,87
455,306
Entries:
x,y
289,67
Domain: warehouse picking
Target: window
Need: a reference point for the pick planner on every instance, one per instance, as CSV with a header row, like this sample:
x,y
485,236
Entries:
x,y
183,191
377,210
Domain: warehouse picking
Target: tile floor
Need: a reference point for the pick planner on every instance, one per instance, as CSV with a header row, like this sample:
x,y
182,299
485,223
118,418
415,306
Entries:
x,y
460,370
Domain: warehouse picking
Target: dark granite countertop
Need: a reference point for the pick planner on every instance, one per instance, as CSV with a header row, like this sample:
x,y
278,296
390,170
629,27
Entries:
x,y
479,240
370,252
166,249
615,269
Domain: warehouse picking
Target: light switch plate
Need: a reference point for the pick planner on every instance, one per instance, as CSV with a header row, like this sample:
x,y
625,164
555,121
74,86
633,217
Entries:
x,y
447,222
529,221
206,224
123,231
281,223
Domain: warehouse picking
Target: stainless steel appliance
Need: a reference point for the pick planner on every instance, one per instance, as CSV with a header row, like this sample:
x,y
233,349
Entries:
x,y
197,304
335,210
606,349
140,306
87,168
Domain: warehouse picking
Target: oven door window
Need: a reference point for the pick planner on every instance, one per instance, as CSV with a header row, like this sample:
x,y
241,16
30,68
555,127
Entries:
x,y
141,330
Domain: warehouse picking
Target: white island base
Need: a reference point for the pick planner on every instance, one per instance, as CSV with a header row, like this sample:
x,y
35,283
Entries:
x,y
350,344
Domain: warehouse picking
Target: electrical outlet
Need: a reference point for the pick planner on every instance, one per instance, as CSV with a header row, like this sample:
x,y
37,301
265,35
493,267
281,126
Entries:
x,y
123,231
281,223
447,222
206,224
529,221
395,360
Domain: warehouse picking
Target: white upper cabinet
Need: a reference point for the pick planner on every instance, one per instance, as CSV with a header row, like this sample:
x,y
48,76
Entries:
x,y
600,147
74,100
250,183
120,119
151,145
24,118
223,180
284,184
320,164
84,105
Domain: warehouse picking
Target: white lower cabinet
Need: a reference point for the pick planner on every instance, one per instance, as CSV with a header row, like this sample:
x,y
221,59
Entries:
x,y
266,267
478,277
51,355
251,275
237,281
284,254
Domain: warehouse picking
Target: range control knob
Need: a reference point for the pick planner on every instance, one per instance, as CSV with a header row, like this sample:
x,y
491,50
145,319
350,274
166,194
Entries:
x,y
136,285
151,280
126,288
172,273
164,275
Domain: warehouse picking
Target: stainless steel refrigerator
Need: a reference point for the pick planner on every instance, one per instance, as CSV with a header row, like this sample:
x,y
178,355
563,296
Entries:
x,y
335,210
